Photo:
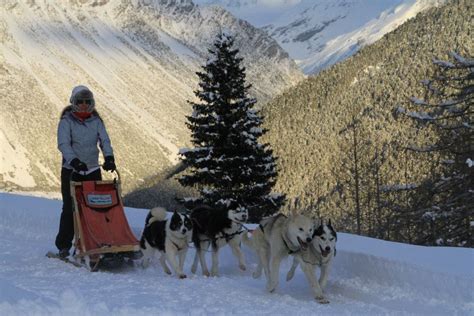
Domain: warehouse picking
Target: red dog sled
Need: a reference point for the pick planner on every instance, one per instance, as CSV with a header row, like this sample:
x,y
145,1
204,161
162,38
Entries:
x,y
101,230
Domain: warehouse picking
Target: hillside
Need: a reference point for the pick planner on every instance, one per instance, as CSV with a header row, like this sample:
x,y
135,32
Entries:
x,y
369,277
314,126
139,58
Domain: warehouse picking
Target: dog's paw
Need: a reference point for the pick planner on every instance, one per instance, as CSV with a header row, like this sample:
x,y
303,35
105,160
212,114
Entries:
x,y
289,275
206,273
271,288
256,274
322,300
182,276
168,272
193,269
242,267
214,274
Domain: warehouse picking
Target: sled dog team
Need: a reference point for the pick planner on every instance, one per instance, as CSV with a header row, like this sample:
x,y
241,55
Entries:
x,y
311,243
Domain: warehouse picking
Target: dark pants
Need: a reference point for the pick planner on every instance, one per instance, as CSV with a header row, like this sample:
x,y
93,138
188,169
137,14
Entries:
x,y
66,225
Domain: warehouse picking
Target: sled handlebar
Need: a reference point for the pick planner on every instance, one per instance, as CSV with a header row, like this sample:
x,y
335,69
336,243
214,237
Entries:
x,y
116,181
119,179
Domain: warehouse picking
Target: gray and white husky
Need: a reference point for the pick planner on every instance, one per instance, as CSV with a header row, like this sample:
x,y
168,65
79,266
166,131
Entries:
x,y
320,254
276,238
170,237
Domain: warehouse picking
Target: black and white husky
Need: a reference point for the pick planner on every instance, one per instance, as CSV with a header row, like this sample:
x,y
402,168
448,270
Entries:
x,y
170,237
320,254
217,227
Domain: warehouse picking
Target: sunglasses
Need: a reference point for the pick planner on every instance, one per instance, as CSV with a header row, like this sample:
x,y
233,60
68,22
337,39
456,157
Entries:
x,y
83,101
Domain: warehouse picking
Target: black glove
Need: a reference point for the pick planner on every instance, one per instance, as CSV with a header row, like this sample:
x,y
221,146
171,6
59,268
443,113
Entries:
x,y
78,165
109,164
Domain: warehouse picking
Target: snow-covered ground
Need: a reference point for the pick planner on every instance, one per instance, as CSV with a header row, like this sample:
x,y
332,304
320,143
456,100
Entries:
x,y
370,277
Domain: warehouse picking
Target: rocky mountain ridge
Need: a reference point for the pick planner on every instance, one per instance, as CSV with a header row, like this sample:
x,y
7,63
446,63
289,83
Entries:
x,y
320,33
138,57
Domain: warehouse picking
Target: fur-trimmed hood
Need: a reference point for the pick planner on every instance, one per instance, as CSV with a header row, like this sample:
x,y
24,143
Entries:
x,y
68,109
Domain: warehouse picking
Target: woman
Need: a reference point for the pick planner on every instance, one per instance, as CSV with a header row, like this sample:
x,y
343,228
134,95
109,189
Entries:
x,y
80,130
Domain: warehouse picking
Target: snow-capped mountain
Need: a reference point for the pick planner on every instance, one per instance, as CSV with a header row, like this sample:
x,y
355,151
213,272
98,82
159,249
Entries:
x,y
320,33
138,57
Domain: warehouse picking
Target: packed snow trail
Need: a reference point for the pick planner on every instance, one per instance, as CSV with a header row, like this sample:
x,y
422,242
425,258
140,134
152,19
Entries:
x,y
369,277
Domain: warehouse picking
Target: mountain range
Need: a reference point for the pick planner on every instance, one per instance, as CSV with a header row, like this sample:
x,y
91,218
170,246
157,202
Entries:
x,y
320,33
138,57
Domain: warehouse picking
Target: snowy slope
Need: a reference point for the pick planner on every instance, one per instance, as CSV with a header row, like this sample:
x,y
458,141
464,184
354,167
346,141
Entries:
x,y
370,277
138,57
320,33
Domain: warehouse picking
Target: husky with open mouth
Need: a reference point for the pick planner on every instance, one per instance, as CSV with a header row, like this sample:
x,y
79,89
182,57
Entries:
x,y
321,252
276,238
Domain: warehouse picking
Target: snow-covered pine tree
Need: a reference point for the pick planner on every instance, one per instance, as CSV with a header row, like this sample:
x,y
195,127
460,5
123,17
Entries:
x,y
446,202
228,165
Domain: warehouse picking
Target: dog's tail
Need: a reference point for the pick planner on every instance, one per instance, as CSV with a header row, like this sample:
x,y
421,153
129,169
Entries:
x,y
157,214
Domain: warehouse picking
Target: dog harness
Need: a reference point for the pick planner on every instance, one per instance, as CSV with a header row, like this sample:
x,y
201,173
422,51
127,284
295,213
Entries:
x,y
225,236
290,251
229,237
179,249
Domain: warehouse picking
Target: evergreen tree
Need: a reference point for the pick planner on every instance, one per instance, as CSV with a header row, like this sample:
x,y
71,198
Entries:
x,y
446,204
228,165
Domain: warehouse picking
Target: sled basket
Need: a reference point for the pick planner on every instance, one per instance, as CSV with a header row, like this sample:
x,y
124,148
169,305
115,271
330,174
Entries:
x,y
100,225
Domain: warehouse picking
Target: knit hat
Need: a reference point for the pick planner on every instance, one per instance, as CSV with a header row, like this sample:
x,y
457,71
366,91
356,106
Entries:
x,y
81,93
